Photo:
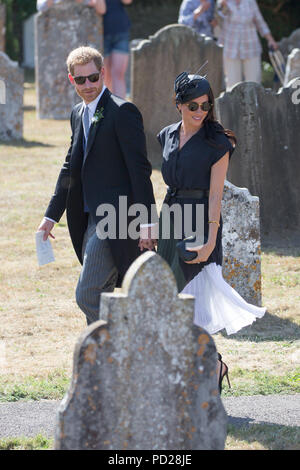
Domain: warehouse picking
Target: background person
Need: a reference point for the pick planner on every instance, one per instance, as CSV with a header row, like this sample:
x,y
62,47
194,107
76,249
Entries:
x,y
242,49
198,14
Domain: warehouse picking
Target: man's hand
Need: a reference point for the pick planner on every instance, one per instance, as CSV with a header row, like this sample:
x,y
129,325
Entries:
x,y
148,237
47,226
147,244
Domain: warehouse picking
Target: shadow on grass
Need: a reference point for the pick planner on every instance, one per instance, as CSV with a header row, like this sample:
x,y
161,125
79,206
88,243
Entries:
x,y
268,328
270,436
29,108
23,143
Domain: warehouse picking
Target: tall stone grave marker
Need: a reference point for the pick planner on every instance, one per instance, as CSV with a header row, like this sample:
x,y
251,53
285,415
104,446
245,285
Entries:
x,y
58,31
11,99
156,62
144,376
266,160
241,242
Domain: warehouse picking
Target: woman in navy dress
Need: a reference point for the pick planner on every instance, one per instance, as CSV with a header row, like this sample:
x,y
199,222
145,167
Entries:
x,y
196,154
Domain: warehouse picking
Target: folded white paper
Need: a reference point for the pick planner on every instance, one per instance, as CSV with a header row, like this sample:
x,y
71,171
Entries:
x,y
43,249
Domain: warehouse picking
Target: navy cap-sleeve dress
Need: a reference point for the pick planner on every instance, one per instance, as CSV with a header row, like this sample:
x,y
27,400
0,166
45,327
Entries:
x,y
217,304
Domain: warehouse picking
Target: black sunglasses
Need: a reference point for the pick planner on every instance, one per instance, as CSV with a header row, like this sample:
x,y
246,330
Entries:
x,y
94,77
193,106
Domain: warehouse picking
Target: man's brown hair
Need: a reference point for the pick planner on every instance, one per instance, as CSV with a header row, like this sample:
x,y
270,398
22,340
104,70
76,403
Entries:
x,y
82,56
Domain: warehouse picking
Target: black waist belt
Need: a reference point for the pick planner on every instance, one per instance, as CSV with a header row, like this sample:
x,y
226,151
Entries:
x,y
188,193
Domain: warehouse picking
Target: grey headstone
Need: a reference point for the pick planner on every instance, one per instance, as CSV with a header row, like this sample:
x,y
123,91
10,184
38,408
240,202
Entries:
x,y
286,45
241,242
11,99
293,66
266,160
144,376
2,26
156,62
58,31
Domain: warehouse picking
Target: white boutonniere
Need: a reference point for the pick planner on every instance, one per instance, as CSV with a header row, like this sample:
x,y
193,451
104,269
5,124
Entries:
x,y
98,116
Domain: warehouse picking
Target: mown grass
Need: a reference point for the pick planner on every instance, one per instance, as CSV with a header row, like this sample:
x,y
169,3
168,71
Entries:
x,y
52,387
252,437
38,442
263,437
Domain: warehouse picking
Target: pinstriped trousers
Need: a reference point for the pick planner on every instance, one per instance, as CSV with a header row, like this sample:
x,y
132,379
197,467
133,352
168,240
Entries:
x,y
98,273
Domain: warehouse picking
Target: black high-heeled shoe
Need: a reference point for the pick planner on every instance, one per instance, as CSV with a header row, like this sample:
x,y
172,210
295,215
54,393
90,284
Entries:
x,y
223,373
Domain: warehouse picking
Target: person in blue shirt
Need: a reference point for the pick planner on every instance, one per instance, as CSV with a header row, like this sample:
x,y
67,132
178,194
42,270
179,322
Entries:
x,y
198,14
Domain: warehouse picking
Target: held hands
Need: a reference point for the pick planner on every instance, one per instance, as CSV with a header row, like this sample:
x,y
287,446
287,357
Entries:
x,y
147,244
204,252
148,237
47,226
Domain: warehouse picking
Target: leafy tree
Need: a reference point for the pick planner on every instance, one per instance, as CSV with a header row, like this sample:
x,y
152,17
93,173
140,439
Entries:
x,y
16,12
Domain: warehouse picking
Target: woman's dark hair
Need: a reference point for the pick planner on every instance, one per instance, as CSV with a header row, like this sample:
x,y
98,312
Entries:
x,y
212,126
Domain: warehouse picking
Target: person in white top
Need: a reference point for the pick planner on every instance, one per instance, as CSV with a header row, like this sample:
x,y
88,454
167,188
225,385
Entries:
x,y
241,19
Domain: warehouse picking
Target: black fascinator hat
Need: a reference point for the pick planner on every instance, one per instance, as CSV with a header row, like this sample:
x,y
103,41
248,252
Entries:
x,y
188,87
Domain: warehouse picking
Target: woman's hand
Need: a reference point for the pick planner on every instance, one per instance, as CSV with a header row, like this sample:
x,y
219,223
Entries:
x,y
204,252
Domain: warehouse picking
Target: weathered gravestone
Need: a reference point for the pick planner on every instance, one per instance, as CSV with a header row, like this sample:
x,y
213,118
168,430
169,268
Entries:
x,y
2,26
266,160
11,99
286,45
156,62
144,376
293,66
241,242
58,31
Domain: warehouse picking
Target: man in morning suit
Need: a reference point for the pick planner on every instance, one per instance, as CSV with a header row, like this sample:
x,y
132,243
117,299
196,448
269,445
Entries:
x,y
106,159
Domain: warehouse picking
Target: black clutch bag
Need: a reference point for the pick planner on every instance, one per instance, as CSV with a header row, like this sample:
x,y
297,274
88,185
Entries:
x,y
183,253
